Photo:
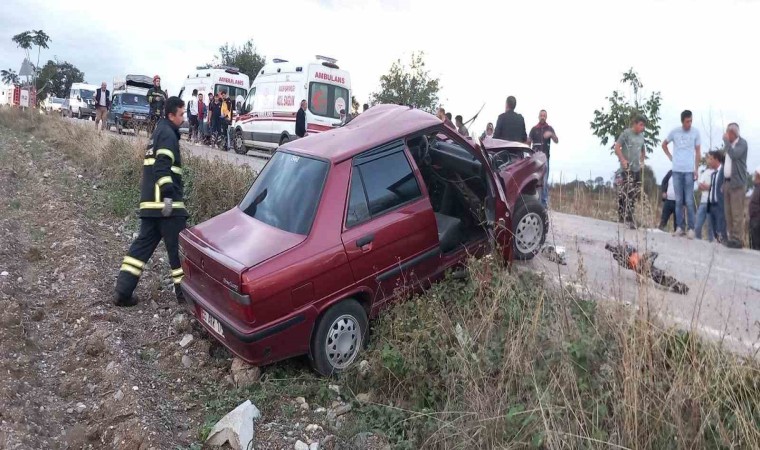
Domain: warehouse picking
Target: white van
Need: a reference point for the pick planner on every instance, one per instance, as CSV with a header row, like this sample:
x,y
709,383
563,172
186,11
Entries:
x,y
215,80
268,116
80,102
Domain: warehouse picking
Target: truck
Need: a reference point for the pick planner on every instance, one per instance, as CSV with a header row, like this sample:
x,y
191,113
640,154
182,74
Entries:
x,y
129,103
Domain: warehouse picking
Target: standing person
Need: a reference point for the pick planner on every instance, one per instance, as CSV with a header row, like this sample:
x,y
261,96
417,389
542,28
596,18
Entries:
x,y
192,116
216,117
209,125
685,158
201,119
444,117
365,107
102,106
630,150
540,139
156,99
510,126
162,209
226,118
735,178
668,202
301,120
715,214
460,126
488,133
449,118
754,212
705,181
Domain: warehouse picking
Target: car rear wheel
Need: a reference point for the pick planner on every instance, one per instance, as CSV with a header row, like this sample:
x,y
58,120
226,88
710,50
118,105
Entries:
x,y
530,227
237,143
284,140
338,337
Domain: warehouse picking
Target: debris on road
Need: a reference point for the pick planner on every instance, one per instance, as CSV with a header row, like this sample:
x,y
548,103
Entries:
x,y
627,256
186,340
236,428
555,254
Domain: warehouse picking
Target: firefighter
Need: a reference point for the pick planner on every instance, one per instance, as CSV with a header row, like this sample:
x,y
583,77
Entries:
x,y
162,210
156,100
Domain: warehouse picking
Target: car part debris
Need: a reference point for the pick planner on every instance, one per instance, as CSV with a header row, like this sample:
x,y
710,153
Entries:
x,y
627,256
555,254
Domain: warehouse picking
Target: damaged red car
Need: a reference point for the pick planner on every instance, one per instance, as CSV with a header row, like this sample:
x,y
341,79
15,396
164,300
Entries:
x,y
341,224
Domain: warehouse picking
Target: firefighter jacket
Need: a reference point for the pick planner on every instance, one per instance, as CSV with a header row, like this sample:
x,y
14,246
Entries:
x,y
162,173
156,99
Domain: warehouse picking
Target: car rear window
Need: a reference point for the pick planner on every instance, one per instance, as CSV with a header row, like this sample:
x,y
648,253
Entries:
x,y
134,100
287,192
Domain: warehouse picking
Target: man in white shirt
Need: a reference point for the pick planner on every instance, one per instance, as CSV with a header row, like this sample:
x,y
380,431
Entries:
x,y
192,116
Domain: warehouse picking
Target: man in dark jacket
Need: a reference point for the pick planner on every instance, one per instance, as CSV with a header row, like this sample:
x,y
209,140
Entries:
x,y
511,126
754,212
156,99
301,120
162,208
102,106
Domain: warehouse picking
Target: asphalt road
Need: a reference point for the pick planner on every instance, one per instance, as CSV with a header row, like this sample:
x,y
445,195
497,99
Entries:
x,y
723,302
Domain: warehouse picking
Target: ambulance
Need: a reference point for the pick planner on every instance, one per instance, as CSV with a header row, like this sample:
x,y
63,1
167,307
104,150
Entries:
x,y
268,116
215,80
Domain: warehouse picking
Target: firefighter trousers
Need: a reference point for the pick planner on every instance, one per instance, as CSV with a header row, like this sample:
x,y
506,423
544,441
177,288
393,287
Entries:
x,y
152,230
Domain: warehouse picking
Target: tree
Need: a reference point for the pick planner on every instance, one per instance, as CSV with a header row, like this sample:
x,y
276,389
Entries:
x,y
27,39
59,76
245,58
410,85
609,123
599,182
40,39
9,76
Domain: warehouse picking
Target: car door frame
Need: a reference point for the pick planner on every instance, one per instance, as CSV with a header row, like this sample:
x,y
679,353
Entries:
x,y
360,239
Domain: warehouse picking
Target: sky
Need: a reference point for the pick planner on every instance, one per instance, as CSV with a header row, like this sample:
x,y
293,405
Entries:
x,y
562,56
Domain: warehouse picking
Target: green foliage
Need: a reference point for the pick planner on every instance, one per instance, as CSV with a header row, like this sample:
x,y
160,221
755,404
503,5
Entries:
x,y
9,76
245,58
409,85
611,121
27,39
58,76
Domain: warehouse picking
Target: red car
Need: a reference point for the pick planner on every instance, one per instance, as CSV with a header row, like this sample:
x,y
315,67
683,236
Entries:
x,y
339,225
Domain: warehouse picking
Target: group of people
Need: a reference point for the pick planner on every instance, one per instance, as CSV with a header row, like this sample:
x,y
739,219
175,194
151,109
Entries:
x,y
210,122
510,126
723,184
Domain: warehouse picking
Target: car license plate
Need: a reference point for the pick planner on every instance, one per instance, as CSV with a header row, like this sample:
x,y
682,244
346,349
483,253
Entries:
x,y
140,117
212,322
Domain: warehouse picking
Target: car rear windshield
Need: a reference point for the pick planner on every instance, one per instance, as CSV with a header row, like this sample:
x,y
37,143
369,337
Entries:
x,y
287,192
134,100
326,100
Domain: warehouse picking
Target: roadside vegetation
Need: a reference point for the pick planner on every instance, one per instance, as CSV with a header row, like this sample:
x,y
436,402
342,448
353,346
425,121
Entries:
x,y
502,360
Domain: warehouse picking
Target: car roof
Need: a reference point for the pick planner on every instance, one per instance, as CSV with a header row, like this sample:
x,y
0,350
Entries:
x,y
376,126
493,144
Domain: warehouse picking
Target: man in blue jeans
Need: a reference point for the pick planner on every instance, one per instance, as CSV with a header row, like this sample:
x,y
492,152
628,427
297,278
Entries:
x,y
540,139
686,155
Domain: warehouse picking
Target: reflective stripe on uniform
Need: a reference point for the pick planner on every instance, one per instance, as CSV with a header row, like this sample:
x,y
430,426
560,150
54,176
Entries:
x,y
133,270
177,170
166,152
134,262
149,161
177,280
177,272
160,205
157,193
164,180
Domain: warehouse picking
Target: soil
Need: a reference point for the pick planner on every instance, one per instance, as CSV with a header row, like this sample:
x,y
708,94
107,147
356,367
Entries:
x,y
77,372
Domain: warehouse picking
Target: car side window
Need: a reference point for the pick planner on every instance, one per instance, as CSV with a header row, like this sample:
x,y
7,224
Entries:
x,y
388,181
357,200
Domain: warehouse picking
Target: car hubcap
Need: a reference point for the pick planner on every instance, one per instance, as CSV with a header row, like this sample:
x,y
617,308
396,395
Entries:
x,y
343,341
238,141
528,233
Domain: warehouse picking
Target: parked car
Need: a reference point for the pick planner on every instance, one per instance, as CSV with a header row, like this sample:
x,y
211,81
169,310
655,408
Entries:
x,y
128,111
52,105
340,224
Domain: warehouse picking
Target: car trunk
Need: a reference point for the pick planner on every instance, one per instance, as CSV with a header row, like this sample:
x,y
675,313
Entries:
x,y
221,249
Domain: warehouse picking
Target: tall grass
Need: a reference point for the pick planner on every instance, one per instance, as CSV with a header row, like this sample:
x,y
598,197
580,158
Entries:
x,y
211,186
502,362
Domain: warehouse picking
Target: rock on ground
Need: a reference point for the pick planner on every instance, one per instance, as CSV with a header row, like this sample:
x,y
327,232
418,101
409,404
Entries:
x,y
243,373
236,428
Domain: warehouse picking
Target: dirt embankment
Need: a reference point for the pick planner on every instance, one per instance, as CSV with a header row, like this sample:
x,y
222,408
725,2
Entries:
x,y
75,371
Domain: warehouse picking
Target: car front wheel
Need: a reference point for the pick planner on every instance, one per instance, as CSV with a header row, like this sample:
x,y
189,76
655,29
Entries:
x,y
530,226
237,143
338,337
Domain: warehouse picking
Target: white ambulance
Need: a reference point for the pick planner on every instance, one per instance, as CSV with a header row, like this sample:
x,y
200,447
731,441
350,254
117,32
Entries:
x,y
215,80
268,116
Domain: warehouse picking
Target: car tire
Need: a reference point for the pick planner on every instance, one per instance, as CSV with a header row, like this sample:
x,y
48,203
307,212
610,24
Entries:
x,y
284,140
237,143
338,337
529,227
